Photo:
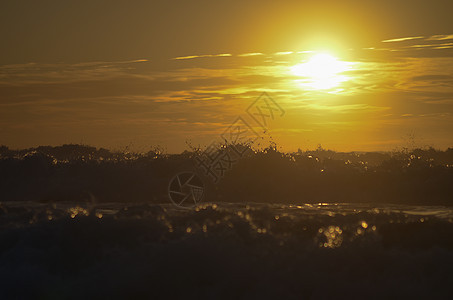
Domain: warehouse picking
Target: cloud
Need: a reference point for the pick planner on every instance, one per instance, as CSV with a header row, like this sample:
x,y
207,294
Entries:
x,y
432,77
250,54
416,46
284,53
421,46
166,101
440,37
443,47
433,46
188,57
202,56
403,39
35,73
348,107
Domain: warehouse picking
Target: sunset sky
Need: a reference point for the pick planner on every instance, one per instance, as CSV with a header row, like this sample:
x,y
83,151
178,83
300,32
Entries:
x,y
350,75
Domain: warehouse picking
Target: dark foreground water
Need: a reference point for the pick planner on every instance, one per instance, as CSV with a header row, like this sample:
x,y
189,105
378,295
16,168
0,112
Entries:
x,y
225,251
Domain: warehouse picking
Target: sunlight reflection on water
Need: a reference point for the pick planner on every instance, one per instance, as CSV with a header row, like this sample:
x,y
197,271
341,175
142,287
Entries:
x,y
328,225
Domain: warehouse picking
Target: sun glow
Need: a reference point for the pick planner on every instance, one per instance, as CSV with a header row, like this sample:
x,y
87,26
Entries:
x,y
322,72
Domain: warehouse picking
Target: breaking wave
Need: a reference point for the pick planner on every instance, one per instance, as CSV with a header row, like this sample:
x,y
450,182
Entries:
x,y
225,250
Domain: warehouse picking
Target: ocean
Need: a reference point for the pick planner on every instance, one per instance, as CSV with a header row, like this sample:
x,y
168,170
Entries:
x,y
224,250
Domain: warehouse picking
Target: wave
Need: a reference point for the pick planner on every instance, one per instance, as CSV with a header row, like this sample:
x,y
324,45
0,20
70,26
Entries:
x,y
83,173
225,250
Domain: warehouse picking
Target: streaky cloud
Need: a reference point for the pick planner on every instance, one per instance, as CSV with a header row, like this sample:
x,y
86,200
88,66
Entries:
x,y
202,56
432,77
440,37
250,54
443,47
421,46
283,53
433,46
403,39
95,63
186,57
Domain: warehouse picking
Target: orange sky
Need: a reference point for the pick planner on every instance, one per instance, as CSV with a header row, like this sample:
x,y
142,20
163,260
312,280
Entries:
x,y
142,73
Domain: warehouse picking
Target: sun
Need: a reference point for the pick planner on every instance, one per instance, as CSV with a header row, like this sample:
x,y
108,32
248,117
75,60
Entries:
x,y
322,72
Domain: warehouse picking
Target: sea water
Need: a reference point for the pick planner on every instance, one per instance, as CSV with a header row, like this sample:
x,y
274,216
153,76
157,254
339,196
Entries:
x,y
225,251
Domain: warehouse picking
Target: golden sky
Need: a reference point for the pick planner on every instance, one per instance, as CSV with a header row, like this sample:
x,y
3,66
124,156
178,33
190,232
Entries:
x,y
350,75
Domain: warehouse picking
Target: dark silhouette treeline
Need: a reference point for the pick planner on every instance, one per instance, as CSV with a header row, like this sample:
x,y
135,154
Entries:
x,y
84,173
